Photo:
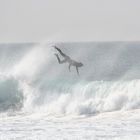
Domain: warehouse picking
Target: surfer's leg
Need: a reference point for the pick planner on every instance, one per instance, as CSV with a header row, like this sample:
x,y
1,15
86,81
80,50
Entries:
x,y
60,61
77,70
69,67
64,55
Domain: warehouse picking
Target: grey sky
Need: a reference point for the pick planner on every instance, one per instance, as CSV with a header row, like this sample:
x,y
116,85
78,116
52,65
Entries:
x,y
69,20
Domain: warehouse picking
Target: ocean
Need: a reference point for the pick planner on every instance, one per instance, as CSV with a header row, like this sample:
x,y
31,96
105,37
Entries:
x,y
41,99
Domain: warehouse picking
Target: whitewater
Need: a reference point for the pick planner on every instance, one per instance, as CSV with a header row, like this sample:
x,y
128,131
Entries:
x,y
41,100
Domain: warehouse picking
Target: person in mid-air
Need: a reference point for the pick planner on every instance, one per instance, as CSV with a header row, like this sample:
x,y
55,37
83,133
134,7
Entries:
x,y
67,59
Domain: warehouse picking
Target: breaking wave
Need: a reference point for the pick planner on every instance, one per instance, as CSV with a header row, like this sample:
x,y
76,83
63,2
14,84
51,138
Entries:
x,y
33,81
11,96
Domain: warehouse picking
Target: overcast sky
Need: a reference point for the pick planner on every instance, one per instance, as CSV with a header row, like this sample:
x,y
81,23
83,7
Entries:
x,y
69,20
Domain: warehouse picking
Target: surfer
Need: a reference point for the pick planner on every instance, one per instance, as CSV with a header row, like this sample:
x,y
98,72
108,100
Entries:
x,y
67,59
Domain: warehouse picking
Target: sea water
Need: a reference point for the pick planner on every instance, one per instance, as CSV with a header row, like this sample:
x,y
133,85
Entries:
x,y
40,99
